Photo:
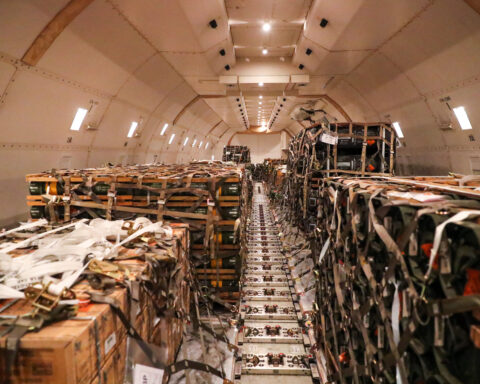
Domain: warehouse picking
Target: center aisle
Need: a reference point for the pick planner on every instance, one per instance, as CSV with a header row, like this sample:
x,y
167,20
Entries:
x,y
273,344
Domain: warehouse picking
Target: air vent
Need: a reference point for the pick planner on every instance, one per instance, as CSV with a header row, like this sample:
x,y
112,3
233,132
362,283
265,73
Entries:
x,y
92,126
446,126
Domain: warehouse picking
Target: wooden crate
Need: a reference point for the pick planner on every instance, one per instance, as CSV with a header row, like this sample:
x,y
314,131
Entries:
x,y
74,351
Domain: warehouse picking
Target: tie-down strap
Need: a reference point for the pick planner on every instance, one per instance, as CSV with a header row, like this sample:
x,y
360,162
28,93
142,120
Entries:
x,y
148,351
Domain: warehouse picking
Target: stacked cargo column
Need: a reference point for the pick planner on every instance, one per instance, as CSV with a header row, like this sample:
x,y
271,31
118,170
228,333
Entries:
x,y
397,259
205,195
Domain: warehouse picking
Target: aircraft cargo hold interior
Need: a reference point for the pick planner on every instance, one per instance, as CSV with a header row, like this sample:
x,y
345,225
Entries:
x,y
239,191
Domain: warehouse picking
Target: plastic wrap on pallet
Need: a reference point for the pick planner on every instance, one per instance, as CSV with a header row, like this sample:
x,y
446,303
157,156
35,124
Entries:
x,y
63,330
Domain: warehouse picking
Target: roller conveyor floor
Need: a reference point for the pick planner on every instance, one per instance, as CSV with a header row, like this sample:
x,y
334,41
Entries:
x,y
275,348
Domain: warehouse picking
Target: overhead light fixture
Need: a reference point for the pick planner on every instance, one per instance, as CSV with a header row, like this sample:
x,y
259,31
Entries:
x,y
260,102
462,118
213,157
164,129
264,51
266,27
260,84
171,138
194,142
260,97
78,119
398,129
200,145
247,59
133,127
186,141
206,145
282,58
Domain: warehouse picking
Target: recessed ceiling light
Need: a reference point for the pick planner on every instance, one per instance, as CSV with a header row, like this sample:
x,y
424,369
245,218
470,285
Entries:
x,y
264,51
260,102
133,127
266,27
261,97
78,119
206,145
260,84
171,138
462,118
186,141
164,129
282,58
398,129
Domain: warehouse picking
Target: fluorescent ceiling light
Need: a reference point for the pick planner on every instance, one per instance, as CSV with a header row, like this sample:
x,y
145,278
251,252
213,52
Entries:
x,y
398,129
266,27
164,129
462,118
264,51
133,127
200,145
78,119
206,145
171,138
194,142
260,84
186,141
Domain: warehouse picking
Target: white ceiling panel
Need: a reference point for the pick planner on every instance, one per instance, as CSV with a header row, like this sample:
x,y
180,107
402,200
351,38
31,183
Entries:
x,y
435,57
163,22
338,63
359,24
189,64
250,10
97,38
23,20
291,9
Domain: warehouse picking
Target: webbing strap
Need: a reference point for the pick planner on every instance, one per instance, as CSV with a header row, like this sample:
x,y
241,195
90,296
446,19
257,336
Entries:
x,y
147,350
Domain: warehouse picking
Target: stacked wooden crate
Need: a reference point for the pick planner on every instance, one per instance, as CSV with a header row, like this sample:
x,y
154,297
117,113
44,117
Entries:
x,y
205,195
88,345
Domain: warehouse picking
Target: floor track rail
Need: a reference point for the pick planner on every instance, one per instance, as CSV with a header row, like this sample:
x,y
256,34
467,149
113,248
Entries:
x,y
273,341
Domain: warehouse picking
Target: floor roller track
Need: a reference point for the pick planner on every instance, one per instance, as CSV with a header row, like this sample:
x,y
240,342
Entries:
x,y
274,347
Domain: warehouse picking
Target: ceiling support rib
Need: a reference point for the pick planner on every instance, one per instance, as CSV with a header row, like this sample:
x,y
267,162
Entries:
x,y
184,109
213,128
475,4
53,29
